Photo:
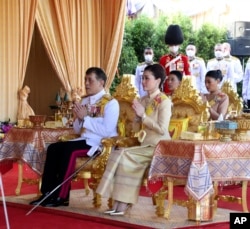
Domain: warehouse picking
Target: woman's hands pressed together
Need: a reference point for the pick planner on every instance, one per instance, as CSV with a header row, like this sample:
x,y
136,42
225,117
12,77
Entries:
x,y
139,108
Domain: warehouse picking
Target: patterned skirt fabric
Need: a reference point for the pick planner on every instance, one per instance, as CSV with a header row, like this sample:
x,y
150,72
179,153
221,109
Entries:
x,y
123,176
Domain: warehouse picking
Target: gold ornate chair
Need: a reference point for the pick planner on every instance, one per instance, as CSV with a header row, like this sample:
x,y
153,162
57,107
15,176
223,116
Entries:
x,y
235,102
187,103
128,127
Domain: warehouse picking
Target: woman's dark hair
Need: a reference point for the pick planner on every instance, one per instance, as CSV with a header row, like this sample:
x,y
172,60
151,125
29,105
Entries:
x,y
100,74
216,74
178,74
157,71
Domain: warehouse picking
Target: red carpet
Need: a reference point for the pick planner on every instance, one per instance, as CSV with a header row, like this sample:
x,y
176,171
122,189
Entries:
x,y
221,225
5,166
53,219
17,211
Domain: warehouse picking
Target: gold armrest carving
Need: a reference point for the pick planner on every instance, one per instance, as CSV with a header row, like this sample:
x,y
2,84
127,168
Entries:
x,y
127,142
68,137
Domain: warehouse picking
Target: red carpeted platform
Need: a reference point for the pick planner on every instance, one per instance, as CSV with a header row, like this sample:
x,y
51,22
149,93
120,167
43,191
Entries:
x,y
5,166
221,225
54,219
47,217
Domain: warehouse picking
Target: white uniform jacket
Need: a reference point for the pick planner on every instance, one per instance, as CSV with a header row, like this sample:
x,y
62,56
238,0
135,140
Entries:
x,y
93,129
198,70
226,68
246,82
238,70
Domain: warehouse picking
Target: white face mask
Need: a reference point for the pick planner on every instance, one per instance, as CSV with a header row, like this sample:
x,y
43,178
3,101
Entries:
x,y
174,48
218,54
148,58
190,53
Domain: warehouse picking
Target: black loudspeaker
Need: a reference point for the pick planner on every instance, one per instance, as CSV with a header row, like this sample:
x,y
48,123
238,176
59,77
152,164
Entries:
x,y
240,47
239,29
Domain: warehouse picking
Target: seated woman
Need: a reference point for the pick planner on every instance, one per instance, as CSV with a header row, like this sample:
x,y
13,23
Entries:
x,y
217,100
173,81
124,172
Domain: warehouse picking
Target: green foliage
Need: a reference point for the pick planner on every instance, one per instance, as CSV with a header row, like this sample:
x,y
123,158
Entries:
x,y
143,35
128,59
206,38
115,82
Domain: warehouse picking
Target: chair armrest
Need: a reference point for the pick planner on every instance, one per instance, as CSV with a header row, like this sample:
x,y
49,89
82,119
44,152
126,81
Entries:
x,y
127,142
68,137
109,142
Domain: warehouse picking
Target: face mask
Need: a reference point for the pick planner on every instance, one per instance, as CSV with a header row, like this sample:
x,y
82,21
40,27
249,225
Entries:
x,y
148,58
190,53
218,54
174,49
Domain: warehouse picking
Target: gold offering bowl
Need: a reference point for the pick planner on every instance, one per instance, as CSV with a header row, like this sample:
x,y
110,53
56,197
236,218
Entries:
x,y
37,120
226,134
243,125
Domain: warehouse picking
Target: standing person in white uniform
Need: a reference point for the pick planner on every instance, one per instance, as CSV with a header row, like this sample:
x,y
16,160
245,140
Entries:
x,y
148,56
197,68
219,63
237,66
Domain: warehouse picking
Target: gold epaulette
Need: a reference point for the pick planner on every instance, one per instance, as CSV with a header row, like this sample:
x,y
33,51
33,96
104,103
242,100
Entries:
x,y
199,58
234,57
84,96
107,97
164,96
140,64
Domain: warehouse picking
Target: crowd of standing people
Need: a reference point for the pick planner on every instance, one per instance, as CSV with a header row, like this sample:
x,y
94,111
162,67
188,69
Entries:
x,y
190,64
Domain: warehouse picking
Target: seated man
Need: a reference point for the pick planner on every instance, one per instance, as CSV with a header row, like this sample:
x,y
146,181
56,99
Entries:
x,y
96,118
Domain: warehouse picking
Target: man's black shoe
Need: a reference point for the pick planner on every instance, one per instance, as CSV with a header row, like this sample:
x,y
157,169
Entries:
x,y
35,202
57,202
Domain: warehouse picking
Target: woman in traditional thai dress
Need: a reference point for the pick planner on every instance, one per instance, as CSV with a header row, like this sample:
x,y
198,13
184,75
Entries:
x,y
124,172
173,81
217,100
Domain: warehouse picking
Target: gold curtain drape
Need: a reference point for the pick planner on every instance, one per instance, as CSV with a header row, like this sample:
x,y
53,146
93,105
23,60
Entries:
x,y
17,20
77,34
80,34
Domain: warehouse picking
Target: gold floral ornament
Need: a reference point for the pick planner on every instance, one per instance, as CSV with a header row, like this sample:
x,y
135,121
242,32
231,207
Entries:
x,y
77,94
154,104
97,110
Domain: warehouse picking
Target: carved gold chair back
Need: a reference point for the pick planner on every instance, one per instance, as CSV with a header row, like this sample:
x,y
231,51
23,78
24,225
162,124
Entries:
x,y
187,103
235,102
125,93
